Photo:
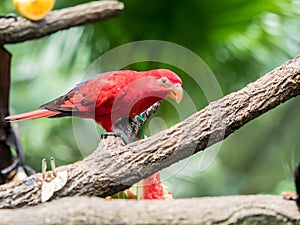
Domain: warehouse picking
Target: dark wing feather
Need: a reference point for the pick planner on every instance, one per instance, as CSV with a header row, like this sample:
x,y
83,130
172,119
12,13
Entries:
x,y
98,92
61,104
75,103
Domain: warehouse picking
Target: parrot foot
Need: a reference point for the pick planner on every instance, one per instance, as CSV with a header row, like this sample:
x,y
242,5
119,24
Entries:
x,y
117,133
9,16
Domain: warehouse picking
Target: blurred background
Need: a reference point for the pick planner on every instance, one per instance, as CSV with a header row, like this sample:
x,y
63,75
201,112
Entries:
x,y
239,41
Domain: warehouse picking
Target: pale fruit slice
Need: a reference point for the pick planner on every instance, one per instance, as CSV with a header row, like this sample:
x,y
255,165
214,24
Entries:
x,y
34,9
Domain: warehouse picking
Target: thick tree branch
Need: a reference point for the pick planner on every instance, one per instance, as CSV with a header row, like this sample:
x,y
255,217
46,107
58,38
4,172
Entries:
x,y
251,209
114,167
12,31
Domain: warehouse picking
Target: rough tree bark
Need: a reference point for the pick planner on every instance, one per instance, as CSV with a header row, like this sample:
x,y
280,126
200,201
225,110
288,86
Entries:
x,y
12,31
114,167
252,209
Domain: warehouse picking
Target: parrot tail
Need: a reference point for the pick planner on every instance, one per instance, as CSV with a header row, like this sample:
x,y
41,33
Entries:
x,y
36,114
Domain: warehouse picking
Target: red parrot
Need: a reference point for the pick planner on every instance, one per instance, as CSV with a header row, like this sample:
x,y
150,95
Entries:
x,y
113,95
110,96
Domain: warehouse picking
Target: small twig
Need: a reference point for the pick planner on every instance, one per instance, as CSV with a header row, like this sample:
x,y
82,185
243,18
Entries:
x,y
12,31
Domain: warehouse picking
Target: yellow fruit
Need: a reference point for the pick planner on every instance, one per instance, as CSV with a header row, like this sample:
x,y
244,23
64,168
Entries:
x,y
34,9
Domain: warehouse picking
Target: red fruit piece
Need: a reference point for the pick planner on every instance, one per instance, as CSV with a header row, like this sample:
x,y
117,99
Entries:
x,y
152,187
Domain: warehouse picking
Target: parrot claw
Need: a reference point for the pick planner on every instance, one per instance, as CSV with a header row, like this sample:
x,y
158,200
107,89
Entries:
x,y
116,133
9,16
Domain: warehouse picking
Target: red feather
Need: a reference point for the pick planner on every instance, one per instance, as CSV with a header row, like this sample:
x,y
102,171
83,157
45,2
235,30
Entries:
x,y
39,113
107,97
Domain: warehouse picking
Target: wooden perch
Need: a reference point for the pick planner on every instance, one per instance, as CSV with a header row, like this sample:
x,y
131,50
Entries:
x,y
251,209
12,31
114,167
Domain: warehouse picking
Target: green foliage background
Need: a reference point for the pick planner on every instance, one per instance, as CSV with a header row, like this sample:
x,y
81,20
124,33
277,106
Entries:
x,y
239,40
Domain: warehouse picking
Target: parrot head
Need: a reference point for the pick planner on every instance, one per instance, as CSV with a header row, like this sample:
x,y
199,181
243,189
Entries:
x,y
168,82
143,90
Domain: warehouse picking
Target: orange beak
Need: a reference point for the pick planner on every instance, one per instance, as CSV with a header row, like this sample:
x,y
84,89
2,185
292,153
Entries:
x,y
176,93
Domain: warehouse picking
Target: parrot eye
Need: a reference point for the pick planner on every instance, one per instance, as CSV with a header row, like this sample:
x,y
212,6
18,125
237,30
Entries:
x,y
164,80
